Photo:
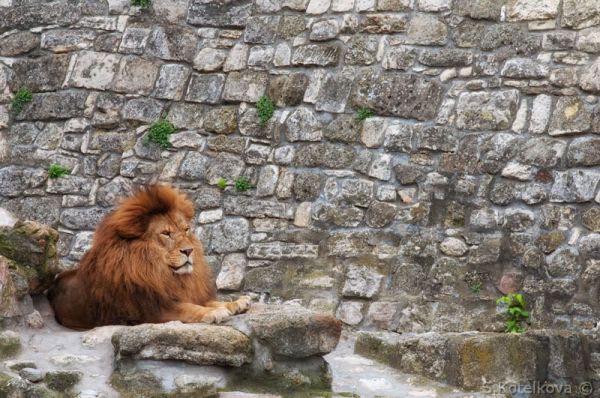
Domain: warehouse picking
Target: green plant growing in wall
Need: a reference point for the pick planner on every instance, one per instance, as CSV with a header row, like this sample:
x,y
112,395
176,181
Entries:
x,y
22,97
221,183
141,3
475,287
57,171
242,184
515,312
159,133
265,108
363,113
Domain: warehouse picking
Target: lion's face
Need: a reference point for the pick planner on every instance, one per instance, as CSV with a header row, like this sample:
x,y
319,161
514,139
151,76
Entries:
x,y
173,237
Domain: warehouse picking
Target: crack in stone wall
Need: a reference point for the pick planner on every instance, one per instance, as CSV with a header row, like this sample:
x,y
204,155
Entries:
x,y
478,173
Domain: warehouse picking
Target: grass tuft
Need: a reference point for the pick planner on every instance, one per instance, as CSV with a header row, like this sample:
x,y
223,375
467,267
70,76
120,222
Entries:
x,y
141,3
159,133
57,171
363,113
265,108
21,98
242,184
222,183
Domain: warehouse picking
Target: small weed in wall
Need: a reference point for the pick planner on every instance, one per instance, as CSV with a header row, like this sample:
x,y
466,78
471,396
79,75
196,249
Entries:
x,y
159,133
515,312
242,184
22,97
57,171
141,3
363,113
475,287
265,108
221,183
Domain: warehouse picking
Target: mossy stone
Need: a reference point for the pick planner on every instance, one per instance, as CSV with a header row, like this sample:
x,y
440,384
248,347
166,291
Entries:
x,y
62,380
551,241
591,219
10,344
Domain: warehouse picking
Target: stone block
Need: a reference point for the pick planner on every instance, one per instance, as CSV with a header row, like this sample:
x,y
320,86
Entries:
x,y
205,88
225,14
402,95
94,70
316,54
40,74
247,86
171,82
487,111
136,75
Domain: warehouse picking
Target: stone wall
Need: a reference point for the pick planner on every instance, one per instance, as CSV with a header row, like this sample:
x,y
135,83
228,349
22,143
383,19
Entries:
x,y
476,175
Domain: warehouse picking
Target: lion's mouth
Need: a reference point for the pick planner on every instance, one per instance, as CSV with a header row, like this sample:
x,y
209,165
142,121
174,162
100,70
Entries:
x,y
184,268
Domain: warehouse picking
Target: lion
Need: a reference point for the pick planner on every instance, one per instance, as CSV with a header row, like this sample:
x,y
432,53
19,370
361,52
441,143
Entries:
x,y
145,266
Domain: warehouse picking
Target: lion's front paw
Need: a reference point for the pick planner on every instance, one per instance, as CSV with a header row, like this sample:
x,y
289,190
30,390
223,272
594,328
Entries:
x,y
243,303
217,315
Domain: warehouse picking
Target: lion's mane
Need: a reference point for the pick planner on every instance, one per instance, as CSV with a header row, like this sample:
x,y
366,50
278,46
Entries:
x,y
122,274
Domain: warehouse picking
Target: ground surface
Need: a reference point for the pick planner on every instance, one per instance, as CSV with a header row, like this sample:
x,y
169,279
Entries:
x,y
54,347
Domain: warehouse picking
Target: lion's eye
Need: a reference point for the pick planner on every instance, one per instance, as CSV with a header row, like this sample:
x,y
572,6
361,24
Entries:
x,y
166,233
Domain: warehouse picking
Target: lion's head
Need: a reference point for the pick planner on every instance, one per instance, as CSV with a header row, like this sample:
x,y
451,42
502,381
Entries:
x,y
144,258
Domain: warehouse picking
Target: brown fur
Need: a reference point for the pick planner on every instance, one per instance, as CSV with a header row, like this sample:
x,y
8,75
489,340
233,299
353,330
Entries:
x,y
128,276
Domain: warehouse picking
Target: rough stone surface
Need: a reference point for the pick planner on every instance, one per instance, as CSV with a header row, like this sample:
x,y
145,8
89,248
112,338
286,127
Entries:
x,y
426,139
475,360
197,344
375,91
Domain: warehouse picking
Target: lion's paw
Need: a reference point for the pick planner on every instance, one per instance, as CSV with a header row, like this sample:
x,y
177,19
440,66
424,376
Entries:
x,y
243,303
217,315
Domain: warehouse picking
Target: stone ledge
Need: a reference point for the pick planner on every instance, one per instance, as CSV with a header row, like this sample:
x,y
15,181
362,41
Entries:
x,y
476,361
270,345
197,344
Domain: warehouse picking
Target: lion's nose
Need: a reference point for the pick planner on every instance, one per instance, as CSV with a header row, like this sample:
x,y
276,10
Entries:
x,y
187,252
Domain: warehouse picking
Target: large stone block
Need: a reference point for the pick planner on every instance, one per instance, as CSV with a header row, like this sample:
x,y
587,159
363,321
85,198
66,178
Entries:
x,y
532,10
40,74
171,82
55,105
136,75
584,151
574,185
18,43
247,86
205,88
249,207
290,331
325,155
403,95
222,14
570,116
172,42
380,24
230,235
288,90
197,344
578,14
82,218
479,9
487,110
94,70
15,179
282,250
303,125
30,15
316,54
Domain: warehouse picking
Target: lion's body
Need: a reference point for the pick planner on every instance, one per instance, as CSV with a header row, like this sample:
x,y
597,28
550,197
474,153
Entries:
x,y
144,266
